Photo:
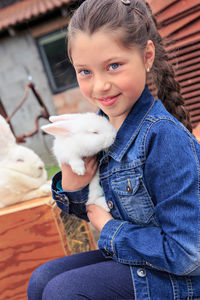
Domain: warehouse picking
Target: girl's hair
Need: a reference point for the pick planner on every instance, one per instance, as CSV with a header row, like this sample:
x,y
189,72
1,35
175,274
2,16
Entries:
x,y
138,25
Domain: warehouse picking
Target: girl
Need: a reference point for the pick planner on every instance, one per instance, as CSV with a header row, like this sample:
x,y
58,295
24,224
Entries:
x,y
149,245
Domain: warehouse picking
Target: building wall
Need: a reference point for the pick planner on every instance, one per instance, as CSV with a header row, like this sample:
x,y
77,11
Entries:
x,y
72,101
19,58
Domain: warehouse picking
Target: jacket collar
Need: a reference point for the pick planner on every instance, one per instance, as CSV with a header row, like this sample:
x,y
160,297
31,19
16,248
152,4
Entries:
x,y
131,126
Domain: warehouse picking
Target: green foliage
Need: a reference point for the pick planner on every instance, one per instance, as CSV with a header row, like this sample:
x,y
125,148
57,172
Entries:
x,y
51,170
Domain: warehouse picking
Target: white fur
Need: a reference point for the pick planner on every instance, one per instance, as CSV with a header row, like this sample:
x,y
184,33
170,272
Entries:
x,y
22,172
78,136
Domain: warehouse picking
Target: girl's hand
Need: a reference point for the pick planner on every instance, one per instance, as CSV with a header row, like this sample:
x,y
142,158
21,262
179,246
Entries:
x,y
98,216
71,181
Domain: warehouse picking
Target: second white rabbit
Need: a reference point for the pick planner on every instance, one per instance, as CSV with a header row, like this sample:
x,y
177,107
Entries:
x,y
22,172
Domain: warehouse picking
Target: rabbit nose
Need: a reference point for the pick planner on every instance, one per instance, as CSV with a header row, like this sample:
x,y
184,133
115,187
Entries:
x,y
40,168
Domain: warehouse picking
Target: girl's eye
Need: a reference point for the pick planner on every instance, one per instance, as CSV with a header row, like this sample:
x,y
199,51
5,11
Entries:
x,y
114,66
84,72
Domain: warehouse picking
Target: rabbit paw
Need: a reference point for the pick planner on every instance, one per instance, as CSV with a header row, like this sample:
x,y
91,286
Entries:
x,y
100,202
2,205
46,187
78,167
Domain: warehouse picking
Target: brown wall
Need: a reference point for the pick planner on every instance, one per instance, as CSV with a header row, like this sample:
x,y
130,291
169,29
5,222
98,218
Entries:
x,y
72,101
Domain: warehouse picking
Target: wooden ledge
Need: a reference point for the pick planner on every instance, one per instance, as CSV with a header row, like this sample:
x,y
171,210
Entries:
x,y
26,205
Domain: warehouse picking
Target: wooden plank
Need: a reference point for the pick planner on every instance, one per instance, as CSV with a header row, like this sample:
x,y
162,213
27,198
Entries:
x,y
180,25
194,106
26,205
28,239
177,9
192,94
158,6
190,88
186,57
190,82
187,63
189,30
52,25
187,76
195,118
187,70
194,113
194,100
183,43
184,51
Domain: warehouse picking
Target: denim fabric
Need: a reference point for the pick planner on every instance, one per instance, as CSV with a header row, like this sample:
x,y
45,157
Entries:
x,y
151,176
98,279
77,199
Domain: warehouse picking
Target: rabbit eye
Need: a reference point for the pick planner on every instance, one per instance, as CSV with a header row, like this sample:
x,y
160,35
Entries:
x,y
95,132
20,160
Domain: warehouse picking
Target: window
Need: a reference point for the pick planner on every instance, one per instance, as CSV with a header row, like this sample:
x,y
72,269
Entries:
x,y
60,72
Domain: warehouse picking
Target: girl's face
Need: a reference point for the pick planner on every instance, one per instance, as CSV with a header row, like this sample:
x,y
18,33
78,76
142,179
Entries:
x,y
109,75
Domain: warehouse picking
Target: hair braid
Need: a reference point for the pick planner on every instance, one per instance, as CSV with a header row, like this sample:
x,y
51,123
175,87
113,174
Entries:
x,y
168,88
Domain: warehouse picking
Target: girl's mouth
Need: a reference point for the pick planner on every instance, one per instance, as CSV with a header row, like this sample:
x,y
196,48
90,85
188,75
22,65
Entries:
x,y
107,101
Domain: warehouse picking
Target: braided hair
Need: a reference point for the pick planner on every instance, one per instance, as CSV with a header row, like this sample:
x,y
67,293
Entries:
x,y
139,25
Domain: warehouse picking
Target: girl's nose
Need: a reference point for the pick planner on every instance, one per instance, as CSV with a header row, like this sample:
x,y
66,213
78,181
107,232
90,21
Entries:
x,y
101,85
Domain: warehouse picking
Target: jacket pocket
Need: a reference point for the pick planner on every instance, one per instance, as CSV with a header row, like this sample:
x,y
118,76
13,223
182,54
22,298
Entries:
x,y
134,198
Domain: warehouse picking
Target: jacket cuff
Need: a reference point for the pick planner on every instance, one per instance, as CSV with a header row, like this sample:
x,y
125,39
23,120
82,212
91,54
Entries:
x,y
70,202
106,241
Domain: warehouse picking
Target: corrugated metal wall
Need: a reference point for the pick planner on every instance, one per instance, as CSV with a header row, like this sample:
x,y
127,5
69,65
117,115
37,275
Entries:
x,y
179,23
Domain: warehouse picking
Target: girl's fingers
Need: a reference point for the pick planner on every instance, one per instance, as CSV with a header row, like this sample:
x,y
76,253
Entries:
x,y
89,159
91,163
71,181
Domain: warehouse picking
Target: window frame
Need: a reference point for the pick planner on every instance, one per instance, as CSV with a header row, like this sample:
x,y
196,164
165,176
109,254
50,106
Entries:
x,y
41,41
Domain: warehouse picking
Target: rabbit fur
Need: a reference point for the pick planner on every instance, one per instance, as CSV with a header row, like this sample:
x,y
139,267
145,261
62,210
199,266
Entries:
x,y
22,172
78,136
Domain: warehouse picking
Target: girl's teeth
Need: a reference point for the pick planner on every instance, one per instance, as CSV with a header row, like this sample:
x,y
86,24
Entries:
x,y
107,99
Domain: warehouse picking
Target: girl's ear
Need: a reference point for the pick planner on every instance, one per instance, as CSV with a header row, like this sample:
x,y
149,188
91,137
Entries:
x,y
149,55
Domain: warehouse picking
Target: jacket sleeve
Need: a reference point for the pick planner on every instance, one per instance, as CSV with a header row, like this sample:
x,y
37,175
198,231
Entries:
x,y
171,175
70,202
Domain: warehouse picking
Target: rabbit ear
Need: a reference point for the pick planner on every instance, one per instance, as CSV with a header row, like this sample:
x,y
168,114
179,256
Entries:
x,y
7,139
56,129
64,117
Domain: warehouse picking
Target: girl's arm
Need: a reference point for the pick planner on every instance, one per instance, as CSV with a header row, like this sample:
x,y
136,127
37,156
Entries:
x,y
172,177
70,191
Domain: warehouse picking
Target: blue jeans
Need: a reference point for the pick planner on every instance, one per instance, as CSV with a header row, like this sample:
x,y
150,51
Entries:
x,y
86,275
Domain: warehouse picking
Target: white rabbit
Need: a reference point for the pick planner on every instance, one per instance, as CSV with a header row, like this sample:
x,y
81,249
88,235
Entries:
x,y
78,136
22,173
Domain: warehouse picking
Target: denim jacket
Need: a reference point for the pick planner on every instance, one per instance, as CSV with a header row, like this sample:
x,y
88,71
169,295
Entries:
x,y
151,180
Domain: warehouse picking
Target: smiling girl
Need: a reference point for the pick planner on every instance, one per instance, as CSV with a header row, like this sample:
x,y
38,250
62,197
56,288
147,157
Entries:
x,y
149,245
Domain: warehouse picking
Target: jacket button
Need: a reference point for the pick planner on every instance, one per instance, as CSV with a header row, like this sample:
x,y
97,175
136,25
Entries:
x,y
129,189
107,252
106,160
110,204
141,272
